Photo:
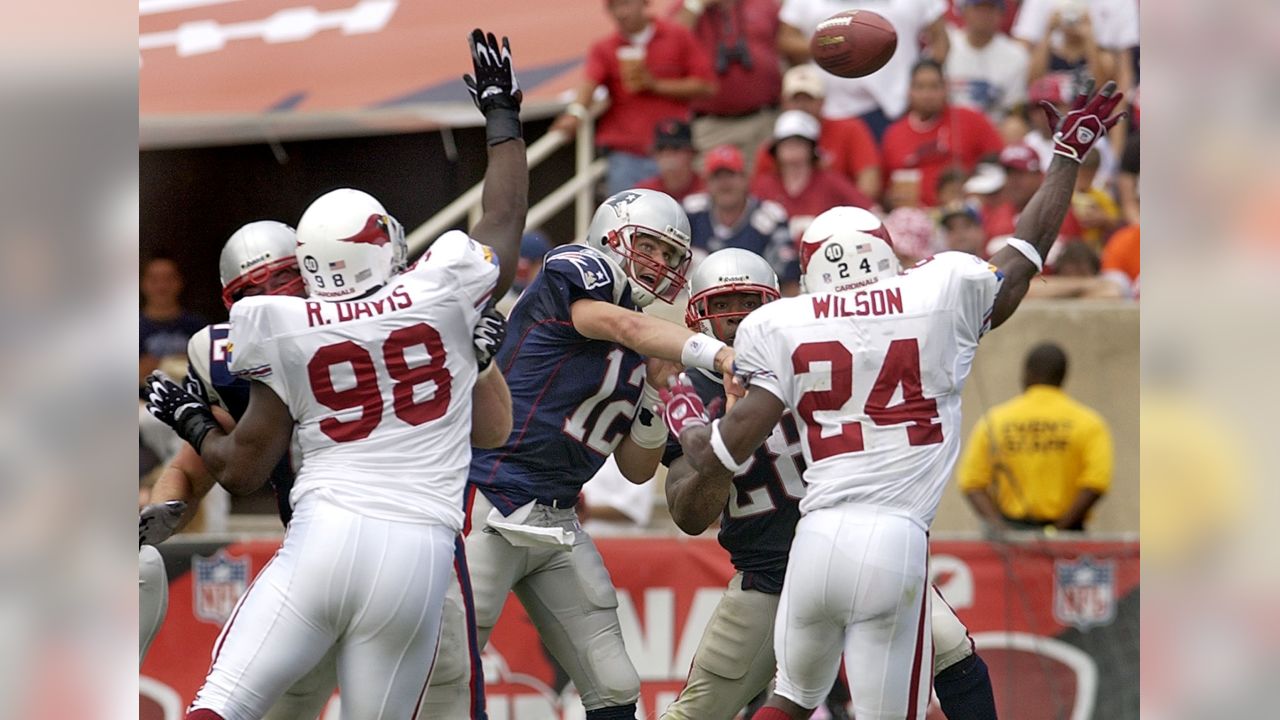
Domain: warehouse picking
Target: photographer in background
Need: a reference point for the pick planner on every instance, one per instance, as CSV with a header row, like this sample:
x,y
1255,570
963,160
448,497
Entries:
x,y
740,36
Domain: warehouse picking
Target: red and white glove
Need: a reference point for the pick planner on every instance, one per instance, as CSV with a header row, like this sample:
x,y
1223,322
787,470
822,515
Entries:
x,y
681,407
1086,121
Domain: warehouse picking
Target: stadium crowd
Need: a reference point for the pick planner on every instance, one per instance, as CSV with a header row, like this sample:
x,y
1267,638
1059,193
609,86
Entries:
x,y
716,103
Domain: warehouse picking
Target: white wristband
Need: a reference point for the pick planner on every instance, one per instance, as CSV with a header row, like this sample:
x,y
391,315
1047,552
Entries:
x,y
700,351
654,433
722,452
1028,250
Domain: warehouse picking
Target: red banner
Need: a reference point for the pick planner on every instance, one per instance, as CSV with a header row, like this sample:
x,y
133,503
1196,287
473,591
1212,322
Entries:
x,y
1056,622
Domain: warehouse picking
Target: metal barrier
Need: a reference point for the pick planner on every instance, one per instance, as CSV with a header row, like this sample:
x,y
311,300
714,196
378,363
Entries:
x,y
587,170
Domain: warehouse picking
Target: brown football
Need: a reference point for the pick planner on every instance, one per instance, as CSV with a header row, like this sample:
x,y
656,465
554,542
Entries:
x,y
854,43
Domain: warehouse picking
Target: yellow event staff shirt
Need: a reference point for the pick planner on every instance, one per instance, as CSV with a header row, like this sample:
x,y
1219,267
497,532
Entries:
x,y
1046,448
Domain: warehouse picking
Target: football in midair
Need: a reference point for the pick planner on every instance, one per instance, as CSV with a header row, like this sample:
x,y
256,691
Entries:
x,y
854,43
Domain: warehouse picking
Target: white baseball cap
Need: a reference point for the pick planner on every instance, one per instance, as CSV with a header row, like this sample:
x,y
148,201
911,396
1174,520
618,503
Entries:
x,y
805,79
796,123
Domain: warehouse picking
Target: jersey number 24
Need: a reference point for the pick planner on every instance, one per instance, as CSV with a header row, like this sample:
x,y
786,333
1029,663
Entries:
x,y
901,368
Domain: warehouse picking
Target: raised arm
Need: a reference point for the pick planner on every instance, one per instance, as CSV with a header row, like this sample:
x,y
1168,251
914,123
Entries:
x,y
1089,119
505,201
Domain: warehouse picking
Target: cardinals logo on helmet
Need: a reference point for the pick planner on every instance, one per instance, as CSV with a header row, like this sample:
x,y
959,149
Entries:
x,y
375,232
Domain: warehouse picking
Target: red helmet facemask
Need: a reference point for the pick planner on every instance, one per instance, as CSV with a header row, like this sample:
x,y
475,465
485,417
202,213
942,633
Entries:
x,y
260,277
636,262
700,305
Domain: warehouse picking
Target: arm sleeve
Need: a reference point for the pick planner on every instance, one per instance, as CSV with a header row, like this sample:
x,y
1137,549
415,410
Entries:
x,y
973,286
756,358
199,358
471,265
1097,457
577,273
597,68
697,60
251,351
974,470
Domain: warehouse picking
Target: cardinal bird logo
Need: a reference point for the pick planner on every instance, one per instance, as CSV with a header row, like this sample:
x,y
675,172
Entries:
x,y
375,232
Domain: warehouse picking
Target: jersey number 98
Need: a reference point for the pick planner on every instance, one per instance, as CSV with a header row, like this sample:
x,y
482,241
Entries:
x,y
366,393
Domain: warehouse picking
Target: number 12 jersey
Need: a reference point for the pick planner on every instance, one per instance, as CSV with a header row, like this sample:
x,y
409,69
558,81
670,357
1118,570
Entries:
x,y
380,386
874,376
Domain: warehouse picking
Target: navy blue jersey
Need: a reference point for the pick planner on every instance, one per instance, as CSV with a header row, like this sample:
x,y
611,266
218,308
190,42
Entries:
x,y
762,229
572,398
759,521
207,356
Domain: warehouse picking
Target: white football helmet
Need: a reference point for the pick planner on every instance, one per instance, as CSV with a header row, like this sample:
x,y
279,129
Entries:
x,y
844,248
255,253
348,245
732,270
613,232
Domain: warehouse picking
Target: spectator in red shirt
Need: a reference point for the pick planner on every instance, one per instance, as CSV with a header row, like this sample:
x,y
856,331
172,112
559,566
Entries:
x,y
846,145
673,151
799,183
740,37
934,136
653,69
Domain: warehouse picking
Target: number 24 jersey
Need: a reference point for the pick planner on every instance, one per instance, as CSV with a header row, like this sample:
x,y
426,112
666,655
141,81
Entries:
x,y
874,376
380,387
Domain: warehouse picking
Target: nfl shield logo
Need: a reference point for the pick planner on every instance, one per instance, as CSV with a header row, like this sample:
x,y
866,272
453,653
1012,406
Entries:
x,y
1084,592
220,581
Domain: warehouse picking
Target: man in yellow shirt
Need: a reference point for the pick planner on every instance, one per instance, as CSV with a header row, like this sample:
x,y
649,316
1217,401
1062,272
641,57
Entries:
x,y
1048,456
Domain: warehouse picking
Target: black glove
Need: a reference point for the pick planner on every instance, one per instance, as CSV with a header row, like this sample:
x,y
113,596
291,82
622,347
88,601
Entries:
x,y
488,335
194,384
157,522
179,409
494,88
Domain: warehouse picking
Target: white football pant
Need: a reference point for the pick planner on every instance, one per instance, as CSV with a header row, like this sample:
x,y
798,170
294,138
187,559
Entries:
x,y
374,588
858,583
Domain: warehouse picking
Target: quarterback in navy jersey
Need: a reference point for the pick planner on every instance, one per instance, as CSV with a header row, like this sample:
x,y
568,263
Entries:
x,y
583,365
759,508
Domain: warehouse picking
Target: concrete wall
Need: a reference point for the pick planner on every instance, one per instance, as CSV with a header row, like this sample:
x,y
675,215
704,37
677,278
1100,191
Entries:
x,y
1101,341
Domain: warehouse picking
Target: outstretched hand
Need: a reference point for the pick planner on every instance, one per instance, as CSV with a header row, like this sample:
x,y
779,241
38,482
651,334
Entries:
x,y
494,85
174,406
1088,120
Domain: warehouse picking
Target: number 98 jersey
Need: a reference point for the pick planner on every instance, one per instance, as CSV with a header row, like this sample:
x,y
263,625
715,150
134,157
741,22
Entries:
x,y
380,386
874,376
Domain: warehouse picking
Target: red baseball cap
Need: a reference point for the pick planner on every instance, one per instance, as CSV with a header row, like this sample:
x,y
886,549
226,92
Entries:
x,y
1020,157
723,157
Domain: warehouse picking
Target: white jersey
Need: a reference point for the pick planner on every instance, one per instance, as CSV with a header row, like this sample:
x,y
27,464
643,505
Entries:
x,y
873,376
380,387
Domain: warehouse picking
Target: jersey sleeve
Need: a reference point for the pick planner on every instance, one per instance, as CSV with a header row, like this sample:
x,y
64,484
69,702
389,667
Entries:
x,y
251,351
199,359
577,272
970,288
755,359
472,265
